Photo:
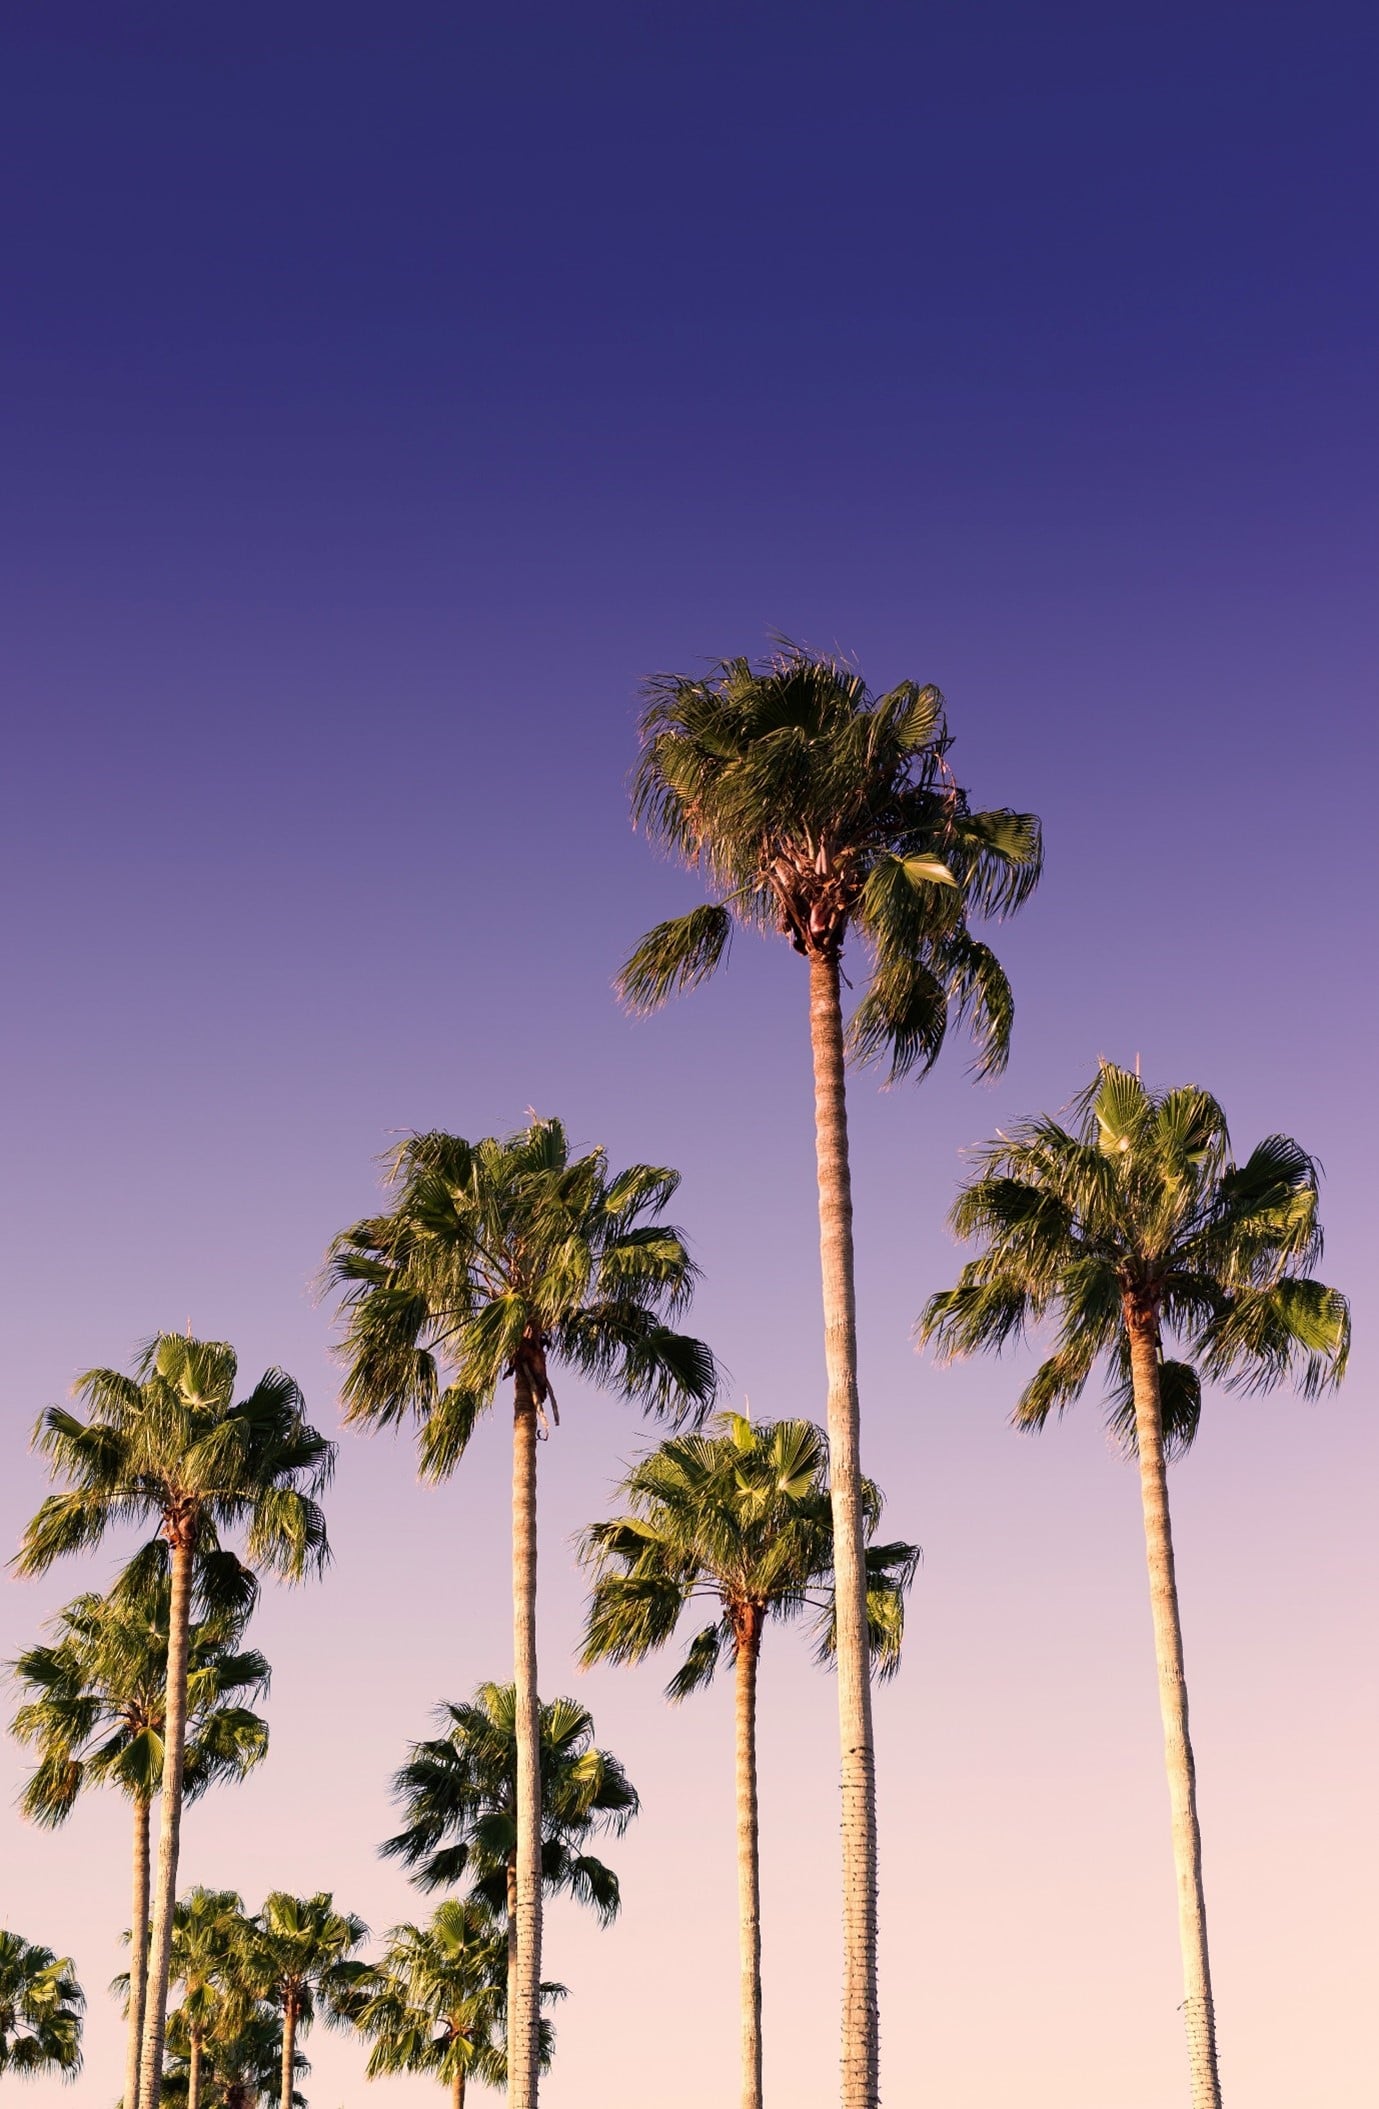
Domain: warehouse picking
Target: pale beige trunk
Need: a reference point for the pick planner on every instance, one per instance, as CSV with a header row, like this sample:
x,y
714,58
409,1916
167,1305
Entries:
x,y
289,2050
1198,2009
138,1955
860,2031
457,2090
524,2014
748,1853
194,2074
170,1824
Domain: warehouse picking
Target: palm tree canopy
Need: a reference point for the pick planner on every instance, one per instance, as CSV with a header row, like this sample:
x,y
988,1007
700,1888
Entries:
x,y
436,2001
40,2010
171,1447
95,1699
741,1517
241,2063
502,1257
1141,1214
300,1950
211,1947
459,1794
813,807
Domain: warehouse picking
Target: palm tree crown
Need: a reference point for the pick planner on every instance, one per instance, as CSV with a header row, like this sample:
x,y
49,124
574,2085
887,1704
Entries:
x,y
813,807
435,2000
459,1793
498,1258
741,1517
96,1700
40,2010
169,1446
1140,1217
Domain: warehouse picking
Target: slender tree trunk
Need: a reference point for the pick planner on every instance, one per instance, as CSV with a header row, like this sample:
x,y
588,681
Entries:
x,y
1199,2011
860,2035
749,1853
457,2090
138,1955
524,2015
511,2006
194,2072
170,1823
289,2048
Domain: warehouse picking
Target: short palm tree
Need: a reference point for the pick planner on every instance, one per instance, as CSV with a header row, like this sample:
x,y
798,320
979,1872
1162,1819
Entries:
x,y
300,1958
1134,1225
210,1949
169,1446
459,1797
40,2011
741,1519
499,1259
436,2002
242,2061
94,1708
816,810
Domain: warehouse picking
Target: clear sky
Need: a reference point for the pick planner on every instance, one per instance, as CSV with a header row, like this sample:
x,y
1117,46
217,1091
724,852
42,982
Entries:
x,y
385,392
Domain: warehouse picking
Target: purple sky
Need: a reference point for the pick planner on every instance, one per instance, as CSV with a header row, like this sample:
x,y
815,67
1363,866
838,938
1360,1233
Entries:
x,y
381,404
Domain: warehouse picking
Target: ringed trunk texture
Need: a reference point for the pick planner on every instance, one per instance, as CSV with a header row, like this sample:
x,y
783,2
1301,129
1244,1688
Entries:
x,y
860,2021
748,1853
1199,2011
289,2049
138,1955
524,2012
170,1824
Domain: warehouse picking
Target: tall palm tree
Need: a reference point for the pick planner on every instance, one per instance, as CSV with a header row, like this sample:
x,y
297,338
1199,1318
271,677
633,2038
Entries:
x,y
169,1446
1135,1224
817,810
40,2011
436,2001
94,1709
210,1948
498,1259
742,1519
300,1957
460,1798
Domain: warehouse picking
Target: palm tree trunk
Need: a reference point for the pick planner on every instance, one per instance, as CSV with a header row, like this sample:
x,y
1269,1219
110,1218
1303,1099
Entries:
x,y
748,1637
289,2049
524,2014
860,2044
138,1954
1198,2009
457,2090
194,2072
170,1824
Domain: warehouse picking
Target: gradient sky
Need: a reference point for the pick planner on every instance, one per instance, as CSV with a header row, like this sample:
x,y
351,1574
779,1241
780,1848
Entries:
x,y
385,393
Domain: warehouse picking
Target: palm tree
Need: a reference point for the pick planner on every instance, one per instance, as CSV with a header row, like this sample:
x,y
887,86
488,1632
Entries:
x,y
460,1797
741,1519
95,1708
813,809
436,2003
298,1958
169,1446
210,1947
242,2060
40,2011
498,1259
1135,1224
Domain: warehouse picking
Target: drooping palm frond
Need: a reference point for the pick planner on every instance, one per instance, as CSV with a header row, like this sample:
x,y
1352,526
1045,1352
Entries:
x,y
41,2007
